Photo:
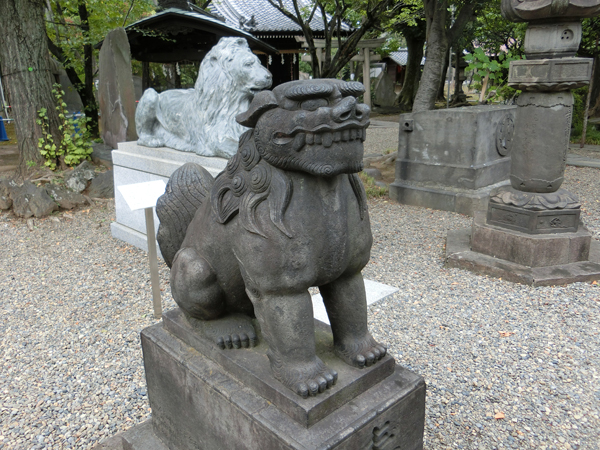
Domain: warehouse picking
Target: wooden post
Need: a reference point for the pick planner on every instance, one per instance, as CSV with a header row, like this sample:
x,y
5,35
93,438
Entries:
x,y
145,75
587,102
367,75
484,88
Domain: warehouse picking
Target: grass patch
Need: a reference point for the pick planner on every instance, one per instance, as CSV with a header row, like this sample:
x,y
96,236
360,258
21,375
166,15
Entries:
x,y
373,191
592,135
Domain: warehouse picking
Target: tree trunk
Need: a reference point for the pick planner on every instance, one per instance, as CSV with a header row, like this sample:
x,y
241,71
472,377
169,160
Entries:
x,y
413,70
90,105
595,96
26,74
438,41
437,49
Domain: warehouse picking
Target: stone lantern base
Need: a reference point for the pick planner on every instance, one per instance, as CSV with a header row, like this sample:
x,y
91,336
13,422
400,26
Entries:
x,y
535,259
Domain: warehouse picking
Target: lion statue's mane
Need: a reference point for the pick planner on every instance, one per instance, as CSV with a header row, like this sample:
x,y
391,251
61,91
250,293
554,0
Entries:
x,y
202,120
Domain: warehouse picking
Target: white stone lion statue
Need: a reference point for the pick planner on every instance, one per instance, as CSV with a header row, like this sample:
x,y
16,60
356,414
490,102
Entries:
x,y
202,120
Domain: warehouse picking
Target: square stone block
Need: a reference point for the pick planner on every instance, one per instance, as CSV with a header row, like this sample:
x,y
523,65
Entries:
x,y
199,403
531,250
449,159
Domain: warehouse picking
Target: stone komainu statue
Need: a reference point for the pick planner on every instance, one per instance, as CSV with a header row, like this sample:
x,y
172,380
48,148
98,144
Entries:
x,y
202,120
288,212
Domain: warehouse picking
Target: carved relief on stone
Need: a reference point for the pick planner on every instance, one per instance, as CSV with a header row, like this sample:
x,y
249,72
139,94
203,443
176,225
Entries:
x,y
288,213
550,75
504,135
528,10
561,199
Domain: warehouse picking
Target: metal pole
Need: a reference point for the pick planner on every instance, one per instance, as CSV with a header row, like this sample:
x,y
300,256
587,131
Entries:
x,y
154,280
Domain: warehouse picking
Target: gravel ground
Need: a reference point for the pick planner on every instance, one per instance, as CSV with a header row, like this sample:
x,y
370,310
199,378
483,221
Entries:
x,y
507,366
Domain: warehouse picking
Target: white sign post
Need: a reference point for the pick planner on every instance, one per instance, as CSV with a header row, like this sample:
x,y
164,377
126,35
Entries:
x,y
144,196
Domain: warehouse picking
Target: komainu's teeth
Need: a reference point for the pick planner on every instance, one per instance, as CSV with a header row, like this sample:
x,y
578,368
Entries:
x,y
337,136
352,134
318,138
363,134
310,138
299,142
345,135
327,140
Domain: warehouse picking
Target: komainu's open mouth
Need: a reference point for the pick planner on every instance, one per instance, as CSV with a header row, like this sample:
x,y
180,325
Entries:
x,y
325,137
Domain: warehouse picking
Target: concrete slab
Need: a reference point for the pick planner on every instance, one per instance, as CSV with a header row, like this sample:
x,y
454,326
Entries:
x,y
582,161
375,292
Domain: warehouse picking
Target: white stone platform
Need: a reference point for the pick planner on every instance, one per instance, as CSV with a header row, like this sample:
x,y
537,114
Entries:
x,y
137,164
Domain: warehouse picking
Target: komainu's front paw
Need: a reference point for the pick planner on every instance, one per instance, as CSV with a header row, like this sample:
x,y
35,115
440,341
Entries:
x,y
234,331
308,379
360,352
149,141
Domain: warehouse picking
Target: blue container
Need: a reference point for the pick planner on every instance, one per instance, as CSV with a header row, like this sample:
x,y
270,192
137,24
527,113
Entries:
x,y
3,136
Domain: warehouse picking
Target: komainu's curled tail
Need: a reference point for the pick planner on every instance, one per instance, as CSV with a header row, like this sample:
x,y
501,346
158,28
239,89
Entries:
x,y
187,189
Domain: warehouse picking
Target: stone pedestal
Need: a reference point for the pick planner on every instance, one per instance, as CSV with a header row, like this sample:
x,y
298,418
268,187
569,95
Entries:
x,y
137,164
452,159
535,259
211,399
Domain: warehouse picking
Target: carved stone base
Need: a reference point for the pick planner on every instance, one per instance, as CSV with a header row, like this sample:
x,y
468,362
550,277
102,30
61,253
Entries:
x,y
537,260
532,250
199,403
533,222
534,213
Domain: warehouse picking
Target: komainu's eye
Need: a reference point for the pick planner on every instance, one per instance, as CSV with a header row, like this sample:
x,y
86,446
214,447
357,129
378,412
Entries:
x,y
314,103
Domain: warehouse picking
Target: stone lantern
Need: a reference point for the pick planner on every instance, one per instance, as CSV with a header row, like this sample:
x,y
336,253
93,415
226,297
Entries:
x,y
532,232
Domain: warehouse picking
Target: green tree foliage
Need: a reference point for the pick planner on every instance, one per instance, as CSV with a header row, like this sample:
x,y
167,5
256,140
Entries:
x,y
364,15
495,69
75,26
446,21
494,34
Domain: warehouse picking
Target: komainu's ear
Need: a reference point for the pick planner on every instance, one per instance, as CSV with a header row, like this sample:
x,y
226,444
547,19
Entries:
x,y
263,101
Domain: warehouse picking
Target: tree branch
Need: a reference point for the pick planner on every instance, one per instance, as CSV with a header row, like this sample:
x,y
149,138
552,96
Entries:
x,y
466,14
